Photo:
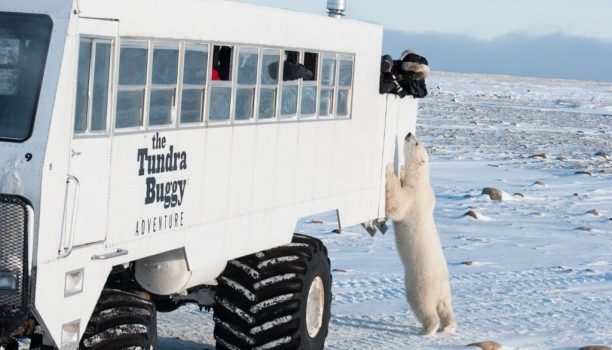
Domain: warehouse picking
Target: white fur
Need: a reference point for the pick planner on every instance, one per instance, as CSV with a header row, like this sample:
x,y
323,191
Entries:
x,y
410,204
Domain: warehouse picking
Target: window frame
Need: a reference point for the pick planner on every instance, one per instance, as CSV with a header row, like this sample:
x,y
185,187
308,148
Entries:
x,y
277,87
232,85
162,44
222,84
133,43
311,83
47,32
255,86
348,89
290,83
333,87
94,40
184,47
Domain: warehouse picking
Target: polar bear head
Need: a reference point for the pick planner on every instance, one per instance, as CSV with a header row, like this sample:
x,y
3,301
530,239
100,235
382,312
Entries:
x,y
416,161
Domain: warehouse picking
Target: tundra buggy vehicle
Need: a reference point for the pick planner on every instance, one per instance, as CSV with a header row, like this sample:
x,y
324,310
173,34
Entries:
x,y
157,153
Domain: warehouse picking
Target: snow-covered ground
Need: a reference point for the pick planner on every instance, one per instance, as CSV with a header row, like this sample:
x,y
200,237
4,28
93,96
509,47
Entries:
x,y
540,271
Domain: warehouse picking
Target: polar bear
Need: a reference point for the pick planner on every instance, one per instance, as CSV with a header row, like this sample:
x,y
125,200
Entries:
x,y
410,204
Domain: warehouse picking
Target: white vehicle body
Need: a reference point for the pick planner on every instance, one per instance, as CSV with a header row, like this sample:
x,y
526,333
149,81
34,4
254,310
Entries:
x,y
230,187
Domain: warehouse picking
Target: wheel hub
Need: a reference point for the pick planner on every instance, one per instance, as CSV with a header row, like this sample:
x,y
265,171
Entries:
x,y
315,306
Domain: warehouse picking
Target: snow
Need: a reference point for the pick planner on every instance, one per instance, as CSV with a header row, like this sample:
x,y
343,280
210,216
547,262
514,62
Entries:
x,y
541,262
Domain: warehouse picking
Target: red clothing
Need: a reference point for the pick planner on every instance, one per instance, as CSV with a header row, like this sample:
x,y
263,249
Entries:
x,y
215,75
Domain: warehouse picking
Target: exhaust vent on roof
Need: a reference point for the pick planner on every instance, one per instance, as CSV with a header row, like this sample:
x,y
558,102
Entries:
x,y
336,8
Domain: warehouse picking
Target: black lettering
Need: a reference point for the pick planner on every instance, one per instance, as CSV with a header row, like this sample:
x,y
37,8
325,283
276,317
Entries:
x,y
174,200
175,160
159,196
165,195
142,154
154,141
170,160
150,197
159,160
183,160
158,142
151,165
182,185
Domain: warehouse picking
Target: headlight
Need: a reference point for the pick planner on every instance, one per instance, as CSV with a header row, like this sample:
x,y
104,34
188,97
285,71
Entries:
x,y
8,282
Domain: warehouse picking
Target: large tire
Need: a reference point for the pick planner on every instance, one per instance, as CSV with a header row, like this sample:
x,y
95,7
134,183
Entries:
x,y
121,320
276,299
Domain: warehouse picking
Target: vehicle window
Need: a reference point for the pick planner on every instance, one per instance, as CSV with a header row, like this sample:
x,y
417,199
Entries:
x,y
221,88
82,92
245,103
93,80
247,66
195,73
289,100
101,84
222,63
270,70
220,99
343,102
328,84
133,62
247,78
345,82
309,88
292,72
326,102
163,83
309,100
329,70
311,62
345,77
24,42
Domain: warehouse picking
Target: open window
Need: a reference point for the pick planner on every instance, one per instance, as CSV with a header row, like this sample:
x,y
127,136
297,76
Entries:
x,y
289,95
93,83
221,87
222,63
309,86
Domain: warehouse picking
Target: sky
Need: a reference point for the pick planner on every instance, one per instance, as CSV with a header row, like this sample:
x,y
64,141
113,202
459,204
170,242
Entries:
x,y
577,32
483,19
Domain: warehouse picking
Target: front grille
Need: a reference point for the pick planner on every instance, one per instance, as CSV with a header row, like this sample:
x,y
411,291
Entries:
x,y
14,219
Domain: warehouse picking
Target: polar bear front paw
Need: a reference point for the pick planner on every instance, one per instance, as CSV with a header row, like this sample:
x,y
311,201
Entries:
x,y
393,188
390,171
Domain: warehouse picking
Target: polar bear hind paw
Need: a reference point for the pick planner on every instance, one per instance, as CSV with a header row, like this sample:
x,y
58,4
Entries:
x,y
450,328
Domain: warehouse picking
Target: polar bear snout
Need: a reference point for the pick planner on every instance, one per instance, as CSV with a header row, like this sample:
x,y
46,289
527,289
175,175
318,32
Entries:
x,y
411,139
